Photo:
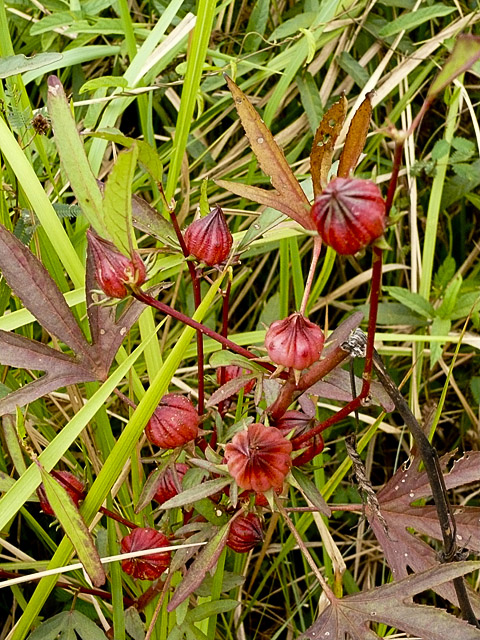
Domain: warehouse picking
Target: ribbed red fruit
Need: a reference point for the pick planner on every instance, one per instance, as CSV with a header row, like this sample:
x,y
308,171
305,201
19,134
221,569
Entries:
x,y
148,567
209,238
168,482
300,423
73,486
173,423
114,272
245,533
349,214
259,458
294,342
233,371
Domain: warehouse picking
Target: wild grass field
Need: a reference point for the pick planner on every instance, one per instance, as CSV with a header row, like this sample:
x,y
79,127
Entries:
x,y
135,119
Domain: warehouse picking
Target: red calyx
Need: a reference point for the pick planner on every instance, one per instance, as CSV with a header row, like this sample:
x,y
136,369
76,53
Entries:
x,y
294,342
233,371
209,238
69,482
169,481
114,272
300,423
147,567
173,423
245,533
349,214
259,458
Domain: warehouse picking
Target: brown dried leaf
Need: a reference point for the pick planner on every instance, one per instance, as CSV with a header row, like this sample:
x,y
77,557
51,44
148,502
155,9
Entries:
x,y
355,138
324,143
404,550
288,192
391,604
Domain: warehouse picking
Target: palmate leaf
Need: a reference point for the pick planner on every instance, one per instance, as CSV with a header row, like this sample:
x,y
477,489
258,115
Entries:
x,y
391,604
288,196
32,283
64,625
403,550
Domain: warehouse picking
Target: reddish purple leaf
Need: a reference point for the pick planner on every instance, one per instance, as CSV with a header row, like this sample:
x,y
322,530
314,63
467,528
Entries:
x,y
31,282
391,604
403,550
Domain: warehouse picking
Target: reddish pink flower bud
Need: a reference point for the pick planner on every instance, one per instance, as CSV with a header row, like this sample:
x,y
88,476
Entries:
x,y
294,342
209,239
301,423
69,482
245,533
169,482
259,458
232,371
349,214
114,272
173,423
147,567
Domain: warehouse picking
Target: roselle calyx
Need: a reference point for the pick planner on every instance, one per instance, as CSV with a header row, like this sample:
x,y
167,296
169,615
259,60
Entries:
x,y
209,238
259,458
173,423
294,342
349,214
73,486
114,272
148,567
300,423
245,533
169,481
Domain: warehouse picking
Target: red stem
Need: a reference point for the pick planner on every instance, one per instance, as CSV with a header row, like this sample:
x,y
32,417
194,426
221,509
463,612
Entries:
x,y
197,298
223,373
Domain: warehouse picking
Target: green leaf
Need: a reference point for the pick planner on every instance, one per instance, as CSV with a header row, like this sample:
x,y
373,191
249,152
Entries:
x,y
310,491
445,273
104,82
351,66
310,97
439,327
311,44
410,20
189,496
465,53
440,149
267,220
475,388
64,625
413,301
73,158
210,511
53,21
117,201
466,303
74,527
208,609
394,313
147,155
293,25
225,358
230,581
450,298
12,65
460,185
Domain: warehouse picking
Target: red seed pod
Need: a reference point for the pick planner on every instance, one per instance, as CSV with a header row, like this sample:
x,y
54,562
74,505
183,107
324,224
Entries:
x,y
233,371
294,342
301,423
173,423
245,533
349,214
167,486
147,567
259,458
70,483
115,272
209,238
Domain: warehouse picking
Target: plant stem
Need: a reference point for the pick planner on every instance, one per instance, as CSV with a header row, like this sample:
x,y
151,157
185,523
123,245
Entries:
x,y
225,310
317,247
197,299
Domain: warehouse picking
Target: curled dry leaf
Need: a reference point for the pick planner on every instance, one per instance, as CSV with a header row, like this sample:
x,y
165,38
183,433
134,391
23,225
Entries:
x,y
324,144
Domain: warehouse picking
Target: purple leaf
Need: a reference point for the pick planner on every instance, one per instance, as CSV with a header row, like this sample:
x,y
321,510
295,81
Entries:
x,y
391,604
31,282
